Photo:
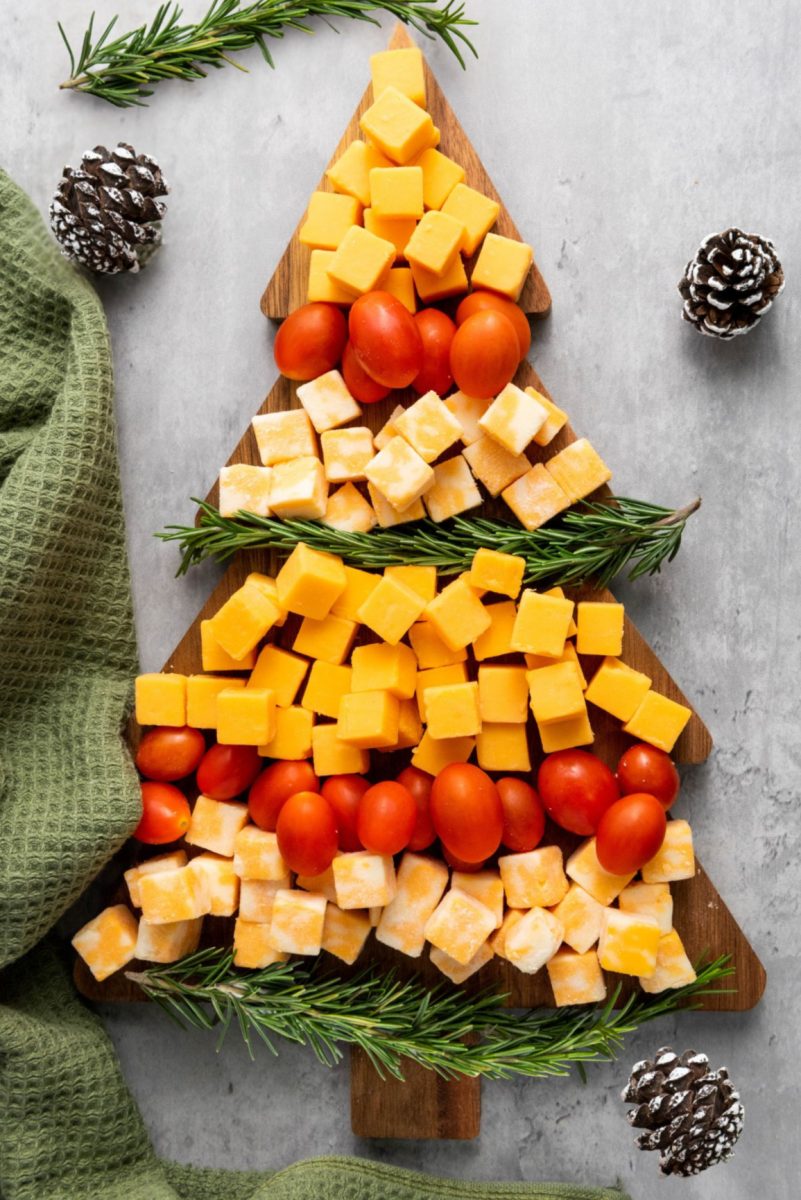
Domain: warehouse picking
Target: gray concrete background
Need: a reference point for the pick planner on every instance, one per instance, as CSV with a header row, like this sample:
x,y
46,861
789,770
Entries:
x,y
619,134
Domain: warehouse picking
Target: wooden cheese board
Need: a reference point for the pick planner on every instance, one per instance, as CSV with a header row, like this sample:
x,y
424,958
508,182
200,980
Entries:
x,y
426,1106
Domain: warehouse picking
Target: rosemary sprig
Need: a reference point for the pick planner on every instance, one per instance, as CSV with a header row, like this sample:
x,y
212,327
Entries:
x,y
120,69
595,542
389,1019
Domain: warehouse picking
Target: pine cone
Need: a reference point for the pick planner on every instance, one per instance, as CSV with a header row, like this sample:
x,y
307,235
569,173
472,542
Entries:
x,y
691,1114
732,282
105,214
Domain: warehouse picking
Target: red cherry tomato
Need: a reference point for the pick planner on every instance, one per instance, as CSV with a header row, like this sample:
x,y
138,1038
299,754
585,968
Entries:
x,y
227,771
437,331
419,784
523,815
344,794
467,812
643,768
387,817
271,790
576,789
168,753
458,864
385,339
484,354
307,833
481,301
360,385
165,814
310,341
629,833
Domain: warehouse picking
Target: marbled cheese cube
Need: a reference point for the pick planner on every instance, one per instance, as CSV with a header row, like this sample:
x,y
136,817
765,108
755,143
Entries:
x,y
658,720
310,581
535,497
222,881
555,693
440,176
364,880
325,689
576,978
281,672
649,900
503,265
388,516
485,886
347,509
322,883
431,288
179,895
556,420
328,639
321,286
346,452
429,648
256,898
467,410
399,473
361,260
344,933
328,219
397,192
429,427
214,658
431,755
458,615
493,465
578,470
541,625
496,640
458,972
478,213
397,126
256,855
580,914
454,490
617,689
247,488
391,609
459,925
161,699
497,940
584,868
675,859
292,739
435,243
533,940
421,882
389,429
351,172
513,418
503,694
438,677
452,710
673,967
358,586
162,862
535,879
628,943
328,402
108,942
297,922
369,720
283,436
600,628
253,945
299,490
331,756
215,824
381,666
563,735
167,943
245,716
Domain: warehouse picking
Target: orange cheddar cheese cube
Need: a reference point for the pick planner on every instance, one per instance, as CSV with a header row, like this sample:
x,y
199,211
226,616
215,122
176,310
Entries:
x,y
222,881
247,488
284,436
503,746
675,858
358,586
344,933
478,213
502,265
498,572
364,880
327,401
361,260
299,490
256,898
369,720
107,943
328,218
600,628
162,862
388,516
453,491
555,421
401,69
399,282
328,640
485,886
325,689
421,882
179,895
512,419
201,698
649,900
673,968
399,473
323,287
628,943
555,693
297,922
658,720
436,677
422,580
580,914
576,978
459,972
397,126
617,689
458,615
535,497
534,880
532,941
534,661
346,452
563,735
440,176
452,710
253,945
215,823
432,287
503,694
161,699
459,925
429,427
310,581
245,716
397,230
214,658
497,638
347,509
167,943
431,755
578,470
281,672
244,619
351,172
380,666
331,756
391,609
468,410
396,192
429,648
584,868
435,243
256,855
541,624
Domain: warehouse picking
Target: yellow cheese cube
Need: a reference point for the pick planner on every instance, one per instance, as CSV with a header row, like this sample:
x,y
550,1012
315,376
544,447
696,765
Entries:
x,y
325,689
179,895
503,747
321,286
214,825
256,855
649,900
435,243
436,677
107,943
485,886
222,881
429,427
617,689
580,914
397,230
498,572
533,940
245,716
293,735
214,658
401,69
328,219
628,943
334,757
563,735
440,176
458,615
555,421
396,192
467,410
421,882
358,586
658,720
281,672
534,880
576,978
503,694
167,943
459,925
245,488
297,921
555,693
572,628
534,661
451,282
497,639
429,648
497,940
535,497
351,172
364,880
454,490
432,755
388,431
344,933
513,418
391,609
162,862
584,868
503,265
673,967
398,126
410,727
478,214
328,402
346,452
310,581
347,509
675,858
600,628
452,711
161,699
387,515
578,470
399,474
379,666
327,640
284,436
253,945
459,972
399,282
494,466
201,698
361,260
256,898
369,720
244,619
541,625
422,580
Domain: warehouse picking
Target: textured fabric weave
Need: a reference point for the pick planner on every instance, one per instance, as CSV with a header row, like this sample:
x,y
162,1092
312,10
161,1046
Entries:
x,y
69,1129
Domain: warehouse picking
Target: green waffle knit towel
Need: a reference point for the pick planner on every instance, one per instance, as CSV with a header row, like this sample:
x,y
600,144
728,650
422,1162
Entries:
x,y
69,1129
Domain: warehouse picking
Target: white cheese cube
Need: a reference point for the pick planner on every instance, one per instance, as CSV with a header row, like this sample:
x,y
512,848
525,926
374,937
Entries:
x,y
458,972
167,943
388,516
388,431
364,880
649,900
245,487
628,943
328,402
675,859
453,491
513,418
214,825
494,466
485,886
256,854
429,427
107,942
497,940
179,895
299,489
535,879
420,882
253,945
256,898
583,866
296,926
581,915
346,452
533,940
222,881
347,509
467,410
344,933
282,436
162,862
673,967
459,925
576,978
399,474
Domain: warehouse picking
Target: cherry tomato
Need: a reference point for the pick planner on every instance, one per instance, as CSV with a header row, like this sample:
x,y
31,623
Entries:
x,y
385,339
387,817
523,815
226,771
271,790
310,341
360,385
629,833
467,812
437,331
576,789
458,864
307,833
481,301
419,784
165,814
168,753
344,794
643,768
484,354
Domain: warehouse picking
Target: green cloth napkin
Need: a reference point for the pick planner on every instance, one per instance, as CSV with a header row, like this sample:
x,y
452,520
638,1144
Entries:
x,y
69,1129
